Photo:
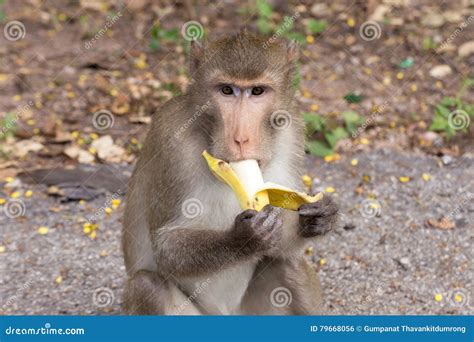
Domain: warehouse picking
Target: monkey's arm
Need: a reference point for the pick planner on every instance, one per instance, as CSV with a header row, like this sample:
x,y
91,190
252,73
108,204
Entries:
x,y
186,251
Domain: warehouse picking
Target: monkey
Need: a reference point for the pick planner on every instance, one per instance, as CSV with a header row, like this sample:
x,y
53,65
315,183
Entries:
x,y
188,247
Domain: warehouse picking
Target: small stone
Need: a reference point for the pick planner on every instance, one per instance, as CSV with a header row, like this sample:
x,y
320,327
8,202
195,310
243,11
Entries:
x,y
466,49
447,159
433,20
441,71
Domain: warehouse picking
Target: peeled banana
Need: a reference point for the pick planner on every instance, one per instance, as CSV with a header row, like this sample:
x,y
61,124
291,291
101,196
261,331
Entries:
x,y
245,179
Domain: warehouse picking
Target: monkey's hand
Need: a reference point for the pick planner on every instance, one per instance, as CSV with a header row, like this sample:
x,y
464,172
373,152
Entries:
x,y
318,218
257,231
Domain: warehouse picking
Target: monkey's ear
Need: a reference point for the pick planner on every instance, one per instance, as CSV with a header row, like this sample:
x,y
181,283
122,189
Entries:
x,y
292,51
196,55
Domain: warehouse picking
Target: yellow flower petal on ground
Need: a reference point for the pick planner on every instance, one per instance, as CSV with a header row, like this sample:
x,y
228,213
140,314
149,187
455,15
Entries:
x,y
75,134
322,262
458,298
82,202
9,179
414,87
92,150
309,39
309,250
94,136
43,230
426,177
93,235
404,179
2,249
103,253
108,210
15,194
114,92
438,297
306,94
351,22
332,158
28,193
314,107
58,280
354,162
307,180
400,75
364,141
116,202
330,189
2,201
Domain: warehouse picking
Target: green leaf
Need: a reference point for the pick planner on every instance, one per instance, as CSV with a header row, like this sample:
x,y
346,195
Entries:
x,y
354,98
335,135
318,148
171,35
439,123
263,26
264,9
314,123
297,36
448,101
443,111
317,26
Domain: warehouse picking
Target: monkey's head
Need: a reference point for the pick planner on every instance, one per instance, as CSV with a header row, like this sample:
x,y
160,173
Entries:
x,y
248,81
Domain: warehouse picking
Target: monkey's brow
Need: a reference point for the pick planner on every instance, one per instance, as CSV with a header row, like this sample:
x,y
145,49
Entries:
x,y
242,84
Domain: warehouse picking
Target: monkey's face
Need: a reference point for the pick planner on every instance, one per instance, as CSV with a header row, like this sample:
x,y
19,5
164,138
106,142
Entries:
x,y
242,111
246,83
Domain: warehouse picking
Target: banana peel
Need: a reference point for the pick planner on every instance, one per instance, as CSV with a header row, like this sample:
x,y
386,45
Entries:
x,y
246,181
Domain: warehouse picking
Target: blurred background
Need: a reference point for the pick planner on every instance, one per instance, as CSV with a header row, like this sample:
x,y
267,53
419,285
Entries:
x,y
386,90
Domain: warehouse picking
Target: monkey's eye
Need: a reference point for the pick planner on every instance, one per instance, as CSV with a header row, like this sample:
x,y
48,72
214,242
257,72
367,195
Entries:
x,y
227,90
257,91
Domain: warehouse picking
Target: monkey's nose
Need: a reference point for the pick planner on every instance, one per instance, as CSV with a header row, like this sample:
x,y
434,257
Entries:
x,y
241,141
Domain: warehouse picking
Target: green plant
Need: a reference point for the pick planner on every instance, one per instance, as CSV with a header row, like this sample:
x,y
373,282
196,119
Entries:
x,y
3,16
316,26
158,35
327,133
444,119
264,11
8,125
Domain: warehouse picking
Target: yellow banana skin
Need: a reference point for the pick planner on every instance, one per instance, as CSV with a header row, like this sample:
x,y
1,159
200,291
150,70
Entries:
x,y
270,193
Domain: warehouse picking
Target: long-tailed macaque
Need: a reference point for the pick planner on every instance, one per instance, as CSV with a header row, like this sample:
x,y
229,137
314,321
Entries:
x,y
188,247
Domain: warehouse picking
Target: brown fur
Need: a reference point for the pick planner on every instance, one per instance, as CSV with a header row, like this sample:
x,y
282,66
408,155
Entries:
x,y
164,250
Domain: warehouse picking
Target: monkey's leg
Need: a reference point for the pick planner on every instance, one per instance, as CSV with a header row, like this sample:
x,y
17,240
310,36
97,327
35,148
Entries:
x,y
146,293
283,287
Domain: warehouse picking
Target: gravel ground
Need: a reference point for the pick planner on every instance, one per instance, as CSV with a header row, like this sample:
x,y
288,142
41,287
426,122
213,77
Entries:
x,y
384,259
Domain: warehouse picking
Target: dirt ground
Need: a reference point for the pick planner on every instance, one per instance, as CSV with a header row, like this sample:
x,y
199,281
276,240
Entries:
x,y
395,181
